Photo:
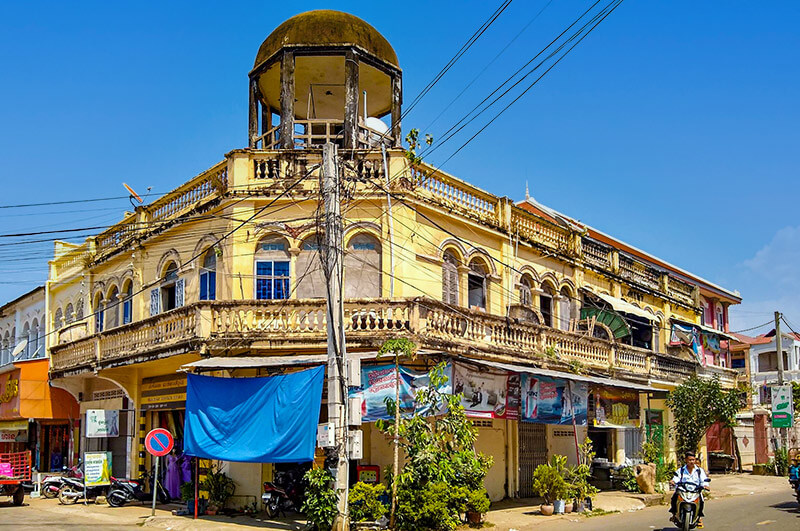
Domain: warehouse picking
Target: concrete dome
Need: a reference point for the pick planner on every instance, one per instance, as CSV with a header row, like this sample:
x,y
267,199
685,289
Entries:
x,y
325,27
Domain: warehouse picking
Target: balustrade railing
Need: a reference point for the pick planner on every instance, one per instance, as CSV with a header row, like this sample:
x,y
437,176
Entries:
x,y
207,184
596,254
639,273
433,324
538,231
460,195
680,290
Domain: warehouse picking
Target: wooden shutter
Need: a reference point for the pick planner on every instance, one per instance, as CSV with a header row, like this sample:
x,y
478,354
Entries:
x,y
180,285
450,280
155,301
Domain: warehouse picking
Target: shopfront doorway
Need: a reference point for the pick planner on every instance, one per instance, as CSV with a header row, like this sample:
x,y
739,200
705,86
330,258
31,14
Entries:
x,y
532,453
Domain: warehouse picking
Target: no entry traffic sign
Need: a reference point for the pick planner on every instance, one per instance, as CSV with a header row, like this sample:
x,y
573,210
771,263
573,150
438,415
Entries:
x,y
159,442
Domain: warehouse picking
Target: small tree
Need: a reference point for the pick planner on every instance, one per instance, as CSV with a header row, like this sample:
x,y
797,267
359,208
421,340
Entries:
x,y
698,403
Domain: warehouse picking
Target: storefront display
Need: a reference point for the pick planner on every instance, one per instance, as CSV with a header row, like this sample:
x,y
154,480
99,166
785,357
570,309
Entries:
x,y
553,400
616,407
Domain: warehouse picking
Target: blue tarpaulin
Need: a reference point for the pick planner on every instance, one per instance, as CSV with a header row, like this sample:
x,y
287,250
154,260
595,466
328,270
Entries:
x,y
257,420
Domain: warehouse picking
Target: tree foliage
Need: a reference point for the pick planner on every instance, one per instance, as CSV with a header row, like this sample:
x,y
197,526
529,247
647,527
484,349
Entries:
x,y
319,504
442,470
698,403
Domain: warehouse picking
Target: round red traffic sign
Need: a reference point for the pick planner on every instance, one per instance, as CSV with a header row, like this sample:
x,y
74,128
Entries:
x,y
159,442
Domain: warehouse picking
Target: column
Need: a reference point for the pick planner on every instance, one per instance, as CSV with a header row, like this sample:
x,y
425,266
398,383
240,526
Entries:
x,y
287,101
351,100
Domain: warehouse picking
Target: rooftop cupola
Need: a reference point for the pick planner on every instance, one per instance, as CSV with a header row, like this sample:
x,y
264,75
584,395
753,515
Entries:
x,y
324,76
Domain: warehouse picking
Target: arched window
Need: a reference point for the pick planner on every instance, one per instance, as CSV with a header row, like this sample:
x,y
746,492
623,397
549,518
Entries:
x,y
309,272
58,319
450,278
362,267
99,313
171,291
565,309
112,309
69,314
272,269
34,340
476,284
526,291
546,303
208,276
26,336
79,310
720,318
127,302
5,353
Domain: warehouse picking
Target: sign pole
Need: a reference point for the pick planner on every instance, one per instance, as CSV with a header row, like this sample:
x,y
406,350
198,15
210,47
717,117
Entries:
x,y
196,483
155,488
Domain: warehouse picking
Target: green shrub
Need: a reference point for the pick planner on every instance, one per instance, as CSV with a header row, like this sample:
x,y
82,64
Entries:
x,y
780,464
219,486
478,501
364,504
548,480
434,507
319,504
629,480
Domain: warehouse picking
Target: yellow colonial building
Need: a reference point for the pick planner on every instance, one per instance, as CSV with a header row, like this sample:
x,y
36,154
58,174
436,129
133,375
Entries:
x,y
223,274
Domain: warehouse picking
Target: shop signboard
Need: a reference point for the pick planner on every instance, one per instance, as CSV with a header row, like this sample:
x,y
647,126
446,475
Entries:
x,y
97,468
616,407
553,400
782,406
378,382
102,423
9,394
13,431
164,392
487,393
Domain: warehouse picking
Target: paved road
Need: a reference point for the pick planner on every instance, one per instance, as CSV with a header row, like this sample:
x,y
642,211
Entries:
x,y
776,510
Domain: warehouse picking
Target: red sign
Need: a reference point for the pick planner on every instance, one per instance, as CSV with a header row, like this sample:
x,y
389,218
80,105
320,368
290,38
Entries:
x,y
159,442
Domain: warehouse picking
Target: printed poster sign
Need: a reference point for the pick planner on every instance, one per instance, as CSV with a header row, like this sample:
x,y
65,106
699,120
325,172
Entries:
x,y
782,406
97,468
102,423
616,407
487,393
378,383
553,400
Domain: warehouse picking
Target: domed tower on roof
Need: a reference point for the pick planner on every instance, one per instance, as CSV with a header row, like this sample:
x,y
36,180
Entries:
x,y
324,76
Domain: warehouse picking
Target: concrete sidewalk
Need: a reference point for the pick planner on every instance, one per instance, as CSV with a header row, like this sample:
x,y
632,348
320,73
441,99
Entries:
x,y
517,514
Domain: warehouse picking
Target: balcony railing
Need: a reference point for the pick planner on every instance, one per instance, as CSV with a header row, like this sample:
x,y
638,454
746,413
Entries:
x,y
727,377
316,132
299,325
639,273
596,254
461,196
536,230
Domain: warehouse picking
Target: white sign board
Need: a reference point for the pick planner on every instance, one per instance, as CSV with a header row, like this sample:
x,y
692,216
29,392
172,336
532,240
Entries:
x,y
782,406
102,423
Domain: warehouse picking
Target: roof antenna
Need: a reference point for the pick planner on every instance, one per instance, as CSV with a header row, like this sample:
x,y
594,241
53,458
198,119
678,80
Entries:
x,y
133,195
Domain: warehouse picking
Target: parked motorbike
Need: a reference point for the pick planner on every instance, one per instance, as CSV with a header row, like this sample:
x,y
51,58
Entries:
x,y
52,484
283,494
74,489
123,491
689,497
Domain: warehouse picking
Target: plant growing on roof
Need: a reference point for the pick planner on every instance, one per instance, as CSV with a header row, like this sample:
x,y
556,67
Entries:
x,y
698,403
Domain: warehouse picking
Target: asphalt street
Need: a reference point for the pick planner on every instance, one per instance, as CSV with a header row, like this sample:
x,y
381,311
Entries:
x,y
775,510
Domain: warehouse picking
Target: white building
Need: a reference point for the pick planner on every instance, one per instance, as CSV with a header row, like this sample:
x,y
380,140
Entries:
x,y
23,319
764,363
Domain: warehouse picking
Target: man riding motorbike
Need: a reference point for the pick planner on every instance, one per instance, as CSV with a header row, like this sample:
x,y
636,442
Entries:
x,y
692,474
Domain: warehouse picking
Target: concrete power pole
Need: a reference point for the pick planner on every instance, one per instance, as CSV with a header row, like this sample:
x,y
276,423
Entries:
x,y
779,354
337,384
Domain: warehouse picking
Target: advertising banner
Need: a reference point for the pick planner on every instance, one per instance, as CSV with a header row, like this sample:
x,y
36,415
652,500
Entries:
x,y
553,400
97,466
616,408
487,394
378,382
782,406
102,423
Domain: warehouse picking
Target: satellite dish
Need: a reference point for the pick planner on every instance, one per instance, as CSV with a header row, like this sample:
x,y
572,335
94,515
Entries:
x,y
378,129
19,349
134,195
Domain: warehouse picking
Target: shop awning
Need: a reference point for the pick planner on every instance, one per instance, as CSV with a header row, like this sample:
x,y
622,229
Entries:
x,y
612,320
624,307
260,362
704,328
607,382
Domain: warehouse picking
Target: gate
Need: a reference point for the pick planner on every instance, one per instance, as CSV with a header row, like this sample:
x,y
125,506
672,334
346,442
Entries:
x,y
532,453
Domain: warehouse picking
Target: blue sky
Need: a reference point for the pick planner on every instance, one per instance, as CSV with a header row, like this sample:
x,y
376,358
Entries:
x,y
671,126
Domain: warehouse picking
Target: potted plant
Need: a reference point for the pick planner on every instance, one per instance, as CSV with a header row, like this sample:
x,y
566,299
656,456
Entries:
x,y
220,488
579,476
477,505
549,483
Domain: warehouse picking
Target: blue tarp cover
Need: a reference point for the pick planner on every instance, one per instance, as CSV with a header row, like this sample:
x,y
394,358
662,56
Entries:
x,y
257,420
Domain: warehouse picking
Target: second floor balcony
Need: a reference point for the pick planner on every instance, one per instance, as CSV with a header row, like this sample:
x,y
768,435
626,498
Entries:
x,y
300,326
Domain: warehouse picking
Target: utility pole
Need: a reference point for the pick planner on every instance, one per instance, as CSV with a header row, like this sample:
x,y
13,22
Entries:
x,y
779,354
337,376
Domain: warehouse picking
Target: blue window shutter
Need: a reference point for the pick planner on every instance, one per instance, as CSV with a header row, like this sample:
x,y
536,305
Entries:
x,y
204,286
155,301
212,286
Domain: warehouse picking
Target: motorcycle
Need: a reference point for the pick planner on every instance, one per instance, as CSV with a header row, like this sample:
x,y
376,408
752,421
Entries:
x,y
73,489
282,495
52,484
125,490
795,484
689,497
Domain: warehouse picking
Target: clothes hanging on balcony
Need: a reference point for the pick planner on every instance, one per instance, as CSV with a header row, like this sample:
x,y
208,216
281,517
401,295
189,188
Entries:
x,y
257,420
